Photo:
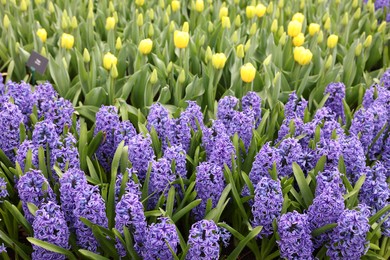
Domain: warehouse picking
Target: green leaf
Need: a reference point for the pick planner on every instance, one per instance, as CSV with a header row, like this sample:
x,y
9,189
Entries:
x,y
95,143
306,192
323,229
179,214
353,195
216,213
32,208
19,217
52,247
170,201
236,252
14,245
91,255
379,214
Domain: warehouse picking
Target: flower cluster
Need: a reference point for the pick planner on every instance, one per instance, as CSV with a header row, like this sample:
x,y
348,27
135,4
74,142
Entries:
x,y
141,154
3,189
10,120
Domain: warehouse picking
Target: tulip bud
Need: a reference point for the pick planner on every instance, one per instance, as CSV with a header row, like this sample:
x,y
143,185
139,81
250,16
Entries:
x,y
182,77
43,52
218,60
139,2
140,20
199,6
166,19
202,40
91,15
161,3
274,26
172,26
314,28
114,72
382,26
299,40
276,78
111,7
67,41
298,17
294,28
250,11
165,95
332,41
208,55
280,30
223,12
327,24
175,5
240,51
151,14
64,22
345,19
267,60
150,30
145,46
186,27
110,23
6,22
86,56
226,22
118,44
358,49
42,34
368,41
270,8
325,17
65,64
234,37
169,67
109,60
320,37
260,10
237,21
74,23
248,72
302,4
357,14
374,25
181,39
329,61
247,45
17,46
253,29
23,5
3,2
153,77
281,4
51,7
283,39
355,3
210,27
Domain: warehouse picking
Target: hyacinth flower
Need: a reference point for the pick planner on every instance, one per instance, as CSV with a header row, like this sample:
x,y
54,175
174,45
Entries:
x,y
354,158
89,205
290,151
22,96
60,113
107,121
385,79
141,154
329,179
294,108
43,96
178,155
45,134
50,226
386,156
157,238
331,149
66,154
158,118
211,134
179,132
251,106
70,183
125,132
226,111
204,240
10,120
295,238
22,151
3,189
209,184
243,125
267,206
34,188
325,209
130,214
348,238
336,91
223,151
194,115
130,186
375,192
161,178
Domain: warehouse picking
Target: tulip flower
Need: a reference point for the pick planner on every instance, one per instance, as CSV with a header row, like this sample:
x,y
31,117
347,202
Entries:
x,y
145,46
199,6
314,28
248,72
260,10
219,60
110,23
67,41
181,39
42,34
175,5
294,28
302,56
109,60
332,41
299,40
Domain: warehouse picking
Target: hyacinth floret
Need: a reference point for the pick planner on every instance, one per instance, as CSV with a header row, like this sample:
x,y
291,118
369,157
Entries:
x,y
223,151
336,91
209,185
22,96
295,237
251,106
211,134
177,154
194,115
10,120
267,206
354,158
129,186
125,132
243,125
21,154
91,206
50,226
156,239
43,95
386,156
348,238
179,132
66,153
290,151
141,154
34,188
331,149
45,134
60,113
226,110
329,179
158,118
3,189
295,108
385,79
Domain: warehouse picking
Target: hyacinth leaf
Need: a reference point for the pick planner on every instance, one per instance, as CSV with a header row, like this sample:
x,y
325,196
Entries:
x,y
378,135
4,159
216,212
32,208
129,244
236,252
52,247
209,205
18,216
153,213
15,245
235,193
170,201
304,187
95,143
172,252
248,182
323,229
353,195
180,213
348,114
83,142
145,187
92,172
187,194
87,112
107,245
91,255
379,214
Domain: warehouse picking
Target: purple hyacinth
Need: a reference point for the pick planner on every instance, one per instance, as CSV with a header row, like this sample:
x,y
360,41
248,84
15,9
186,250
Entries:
x,y
211,134
125,132
179,132
178,155
89,205
372,94
251,106
326,209
141,154
158,118
267,204
386,156
194,115
70,183
226,110
50,226
354,159
43,95
161,178
348,238
324,114
107,121
385,79
209,184
329,179
289,151
243,125
3,248
22,96
223,151
329,127
10,120
21,154
129,212
204,239
295,108
60,113
295,238
3,189
130,186
336,91
331,149
66,153
45,134
34,188
156,239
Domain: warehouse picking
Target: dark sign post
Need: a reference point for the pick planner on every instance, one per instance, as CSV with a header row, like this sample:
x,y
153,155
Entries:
x,y
36,62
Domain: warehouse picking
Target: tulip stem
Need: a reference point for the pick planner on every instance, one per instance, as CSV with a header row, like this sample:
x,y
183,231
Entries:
x,y
111,91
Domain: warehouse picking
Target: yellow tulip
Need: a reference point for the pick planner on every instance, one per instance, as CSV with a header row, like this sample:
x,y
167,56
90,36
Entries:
x,y
294,28
42,34
298,17
223,12
6,22
240,51
219,60
67,41
139,2
86,56
185,27
226,22
260,10
199,6
109,60
181,39
145,46
368,41
23,6
250,11
248,72
302,56
332,41
110,23
175,5
118,44
327,24
299,40
314,28
274,26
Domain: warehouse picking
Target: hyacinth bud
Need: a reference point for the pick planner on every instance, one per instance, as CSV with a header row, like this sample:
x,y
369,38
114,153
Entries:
x,y
23,6
234,37
210,27
345,19
151,14
209,54
140,20
169,67
320,37
240,51
118,44
253,29
150,30
267,60
355,3
274,26
186,27
283,39
382,27
226,22
86,56
43,52
328,62
358,49
270,8
114,72
247,45
6,22
281,4
182,77
357,14
153,77
237,21
368,41
327,24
